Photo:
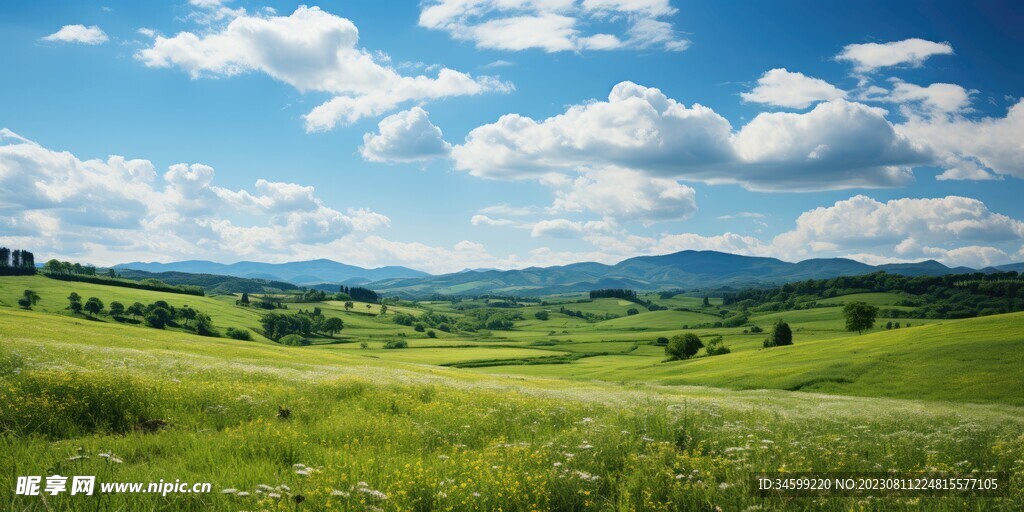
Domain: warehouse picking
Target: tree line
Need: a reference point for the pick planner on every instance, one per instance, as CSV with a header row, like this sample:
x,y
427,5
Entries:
x,y
18,262
949,296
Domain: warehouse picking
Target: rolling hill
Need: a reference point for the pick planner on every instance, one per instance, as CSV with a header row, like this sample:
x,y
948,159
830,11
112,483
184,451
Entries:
x,y
686,269
296,272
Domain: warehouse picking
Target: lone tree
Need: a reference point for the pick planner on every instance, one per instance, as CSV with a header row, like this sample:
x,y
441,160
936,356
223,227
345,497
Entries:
x,y
707,303
349,305
781,335
245,299
31,297
683,347
860,316
333,325
75,303
93,306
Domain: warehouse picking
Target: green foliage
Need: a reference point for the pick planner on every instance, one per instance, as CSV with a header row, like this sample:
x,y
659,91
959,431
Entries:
x,y
541,315
116,309
431,334
632,311
238,334
683,346
393,344
780,336
715,347
93,306
333,325
859,316
293,340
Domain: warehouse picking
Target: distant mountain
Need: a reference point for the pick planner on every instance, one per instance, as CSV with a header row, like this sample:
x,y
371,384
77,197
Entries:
x,y
298,272
210,283
686,269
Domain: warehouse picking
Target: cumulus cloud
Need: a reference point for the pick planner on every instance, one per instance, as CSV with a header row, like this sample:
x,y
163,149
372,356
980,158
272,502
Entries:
x,y
782,88
407,136
973,148
627,195
78,34
933,99
555,25
838,144
913,52
311,50
77,207
907,228
483,220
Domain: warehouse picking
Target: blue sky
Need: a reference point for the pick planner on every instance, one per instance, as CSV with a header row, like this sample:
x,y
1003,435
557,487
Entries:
x,y
373,132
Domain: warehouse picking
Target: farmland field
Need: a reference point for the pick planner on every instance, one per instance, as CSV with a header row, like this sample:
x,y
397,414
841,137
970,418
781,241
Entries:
x,y
562,413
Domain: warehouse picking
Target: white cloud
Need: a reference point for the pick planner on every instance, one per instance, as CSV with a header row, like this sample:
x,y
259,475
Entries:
x,y
783,88
913,52
557,228
407,136
483,220
78,34
118,206
935,98
311,50
904,227
555,25
626,195
839,144
964,144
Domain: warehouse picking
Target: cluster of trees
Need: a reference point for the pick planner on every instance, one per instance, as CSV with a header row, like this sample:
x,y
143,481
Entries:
x,y
303,323
590,317
614,293
67,271
360,294
28,299
950,296
17,262
426,322
157,315
66,267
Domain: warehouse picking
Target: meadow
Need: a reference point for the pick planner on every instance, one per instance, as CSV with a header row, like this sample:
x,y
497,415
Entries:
x,y
617,428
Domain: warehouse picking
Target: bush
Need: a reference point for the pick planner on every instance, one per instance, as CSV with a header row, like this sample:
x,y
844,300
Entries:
x,y
419,328
662,341
541,315
632,311
781,335
239,334
716,348
364,344
397,344
683,347
755,329
431,334
293,340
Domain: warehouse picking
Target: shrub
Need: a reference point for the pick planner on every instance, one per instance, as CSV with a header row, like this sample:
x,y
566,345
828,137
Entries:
x,y
716,348
431,334
663,341
239,334
541,315
419,328
293,340
781,335
683,347
364,344
397,344
755,329
632,311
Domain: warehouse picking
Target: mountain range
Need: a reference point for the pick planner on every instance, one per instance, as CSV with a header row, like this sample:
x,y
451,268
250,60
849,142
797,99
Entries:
x,y
681,270
297,272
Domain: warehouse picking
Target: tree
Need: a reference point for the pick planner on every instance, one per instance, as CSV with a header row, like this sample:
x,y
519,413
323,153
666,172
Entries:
x,y
632,311
75,303
333,325
349,305
683,347
245,299
860,316
116,309
781,335
111,273
31,296
707,303
888,325
383,309
93,306
541,315
431,334
24,303
136,310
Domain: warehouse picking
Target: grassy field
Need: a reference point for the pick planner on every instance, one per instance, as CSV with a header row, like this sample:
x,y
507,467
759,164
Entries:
x,y
612,426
